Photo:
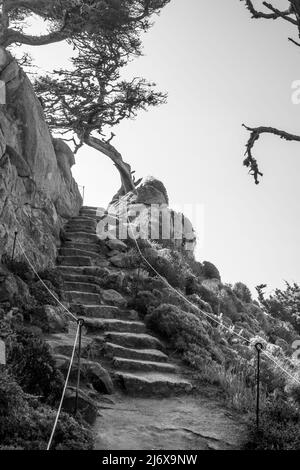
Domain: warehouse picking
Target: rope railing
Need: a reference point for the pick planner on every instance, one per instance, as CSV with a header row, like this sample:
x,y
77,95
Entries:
x,y
80,324
65,387
45,285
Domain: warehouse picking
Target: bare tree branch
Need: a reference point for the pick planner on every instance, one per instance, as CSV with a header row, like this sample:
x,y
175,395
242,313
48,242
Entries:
x,y
255,133
269,16
14,36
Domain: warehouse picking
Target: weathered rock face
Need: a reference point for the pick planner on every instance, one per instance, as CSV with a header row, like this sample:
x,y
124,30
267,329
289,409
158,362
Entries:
x,y
37,190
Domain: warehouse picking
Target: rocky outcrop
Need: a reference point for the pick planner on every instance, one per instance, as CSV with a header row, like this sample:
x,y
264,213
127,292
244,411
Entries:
x,y
37,190
151,217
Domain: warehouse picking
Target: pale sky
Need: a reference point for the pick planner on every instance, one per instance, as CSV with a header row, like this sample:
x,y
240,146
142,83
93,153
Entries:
x,y
220,69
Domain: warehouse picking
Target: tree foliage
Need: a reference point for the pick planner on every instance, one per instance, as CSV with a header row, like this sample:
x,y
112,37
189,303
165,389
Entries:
x,y
283,304
68,19
92,97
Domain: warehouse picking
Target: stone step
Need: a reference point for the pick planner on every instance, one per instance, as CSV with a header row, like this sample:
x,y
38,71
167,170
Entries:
x,y
153,383
106,312
89,213
72,269
134,340
79,228
66,251
121,363
82,220
91,372
89,208
63,343
74,261
114,325
82,236
138,354
82,278
84,298
91,247
86,218
81,287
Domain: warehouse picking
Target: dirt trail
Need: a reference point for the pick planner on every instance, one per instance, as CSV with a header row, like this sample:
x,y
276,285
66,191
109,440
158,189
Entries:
x,y
174,423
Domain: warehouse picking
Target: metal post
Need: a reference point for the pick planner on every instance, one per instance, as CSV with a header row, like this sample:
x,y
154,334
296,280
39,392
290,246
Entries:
x,y
80,322
259,348
14,246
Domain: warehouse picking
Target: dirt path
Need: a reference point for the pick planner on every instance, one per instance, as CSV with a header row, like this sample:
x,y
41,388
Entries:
x,y
184,423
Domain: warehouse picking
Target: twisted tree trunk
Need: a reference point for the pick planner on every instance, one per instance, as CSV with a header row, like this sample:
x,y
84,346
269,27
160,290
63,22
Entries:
x,y
123,168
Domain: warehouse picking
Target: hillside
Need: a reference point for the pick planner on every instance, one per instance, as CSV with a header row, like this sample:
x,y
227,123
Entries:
x,y
162,334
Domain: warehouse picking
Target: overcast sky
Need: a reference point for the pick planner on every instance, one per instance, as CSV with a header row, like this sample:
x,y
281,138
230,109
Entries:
x,y
220,69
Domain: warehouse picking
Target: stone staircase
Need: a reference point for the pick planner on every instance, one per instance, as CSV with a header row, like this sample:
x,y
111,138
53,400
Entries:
x,y
135,358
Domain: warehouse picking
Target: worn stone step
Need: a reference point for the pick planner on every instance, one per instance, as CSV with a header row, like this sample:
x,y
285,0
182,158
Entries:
x,y
82,236
72,269
74,261
82,278
134,340
106,311
153,383
66,251
89,212
79,228
139,354
84,298
81,287
114,325
63,343
90,372
122,363
82,220
91,247
89,208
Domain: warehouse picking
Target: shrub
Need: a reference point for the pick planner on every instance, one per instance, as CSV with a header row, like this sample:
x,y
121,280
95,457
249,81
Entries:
x,y
279,428
208,296
26,425
42,295
30,362
167,265
210,271
18,268
242,292
182,330
143,301
54,277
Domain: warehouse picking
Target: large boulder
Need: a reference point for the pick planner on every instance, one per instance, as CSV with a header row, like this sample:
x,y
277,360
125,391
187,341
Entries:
x,y
112,297
149,214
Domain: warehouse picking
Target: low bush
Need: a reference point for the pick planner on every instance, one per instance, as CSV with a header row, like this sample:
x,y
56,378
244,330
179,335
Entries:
x,y
210,271
26,425
279,428
19,268
242,292
54,277
42,295
30,362
183,330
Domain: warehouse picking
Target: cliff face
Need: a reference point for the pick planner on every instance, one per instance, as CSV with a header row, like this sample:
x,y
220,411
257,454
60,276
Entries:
x,y
37,190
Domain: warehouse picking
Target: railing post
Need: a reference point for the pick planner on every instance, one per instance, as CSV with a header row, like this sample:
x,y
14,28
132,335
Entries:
x,y
80,322
83,191
259,348
14,246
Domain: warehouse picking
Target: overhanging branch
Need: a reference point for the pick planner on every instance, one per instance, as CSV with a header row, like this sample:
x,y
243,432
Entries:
x,y
255,133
